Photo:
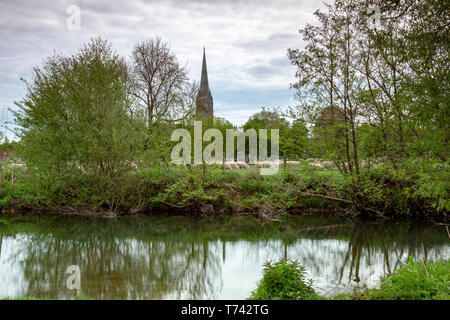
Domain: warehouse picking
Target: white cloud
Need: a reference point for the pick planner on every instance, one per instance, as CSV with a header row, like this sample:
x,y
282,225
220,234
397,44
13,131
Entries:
x,y
246,41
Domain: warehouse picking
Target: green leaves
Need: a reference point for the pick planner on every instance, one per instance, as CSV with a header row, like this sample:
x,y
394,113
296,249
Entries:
x,y
285,280
415,281
75,119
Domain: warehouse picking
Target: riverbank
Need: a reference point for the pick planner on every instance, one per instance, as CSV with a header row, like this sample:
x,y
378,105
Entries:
x,y
414,190
415,280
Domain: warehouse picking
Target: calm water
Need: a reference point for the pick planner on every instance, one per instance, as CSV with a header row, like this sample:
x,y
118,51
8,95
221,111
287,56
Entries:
x,y
162,257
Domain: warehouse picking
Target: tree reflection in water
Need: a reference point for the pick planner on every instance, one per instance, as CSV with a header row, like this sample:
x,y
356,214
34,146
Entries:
x,y
180,258
120,269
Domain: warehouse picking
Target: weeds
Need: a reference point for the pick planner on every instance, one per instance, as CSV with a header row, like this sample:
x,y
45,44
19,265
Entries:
x,y
284,280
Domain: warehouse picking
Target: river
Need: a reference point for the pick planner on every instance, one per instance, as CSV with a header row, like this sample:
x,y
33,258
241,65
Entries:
x,y
179,257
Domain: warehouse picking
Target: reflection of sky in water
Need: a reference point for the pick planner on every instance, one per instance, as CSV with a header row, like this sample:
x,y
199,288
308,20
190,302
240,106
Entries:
x,y
134,269
322,258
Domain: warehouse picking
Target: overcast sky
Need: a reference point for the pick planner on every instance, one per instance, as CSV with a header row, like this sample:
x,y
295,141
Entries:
x,y
246,42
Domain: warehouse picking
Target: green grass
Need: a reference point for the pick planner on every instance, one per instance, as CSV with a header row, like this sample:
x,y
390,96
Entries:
x,y
416,281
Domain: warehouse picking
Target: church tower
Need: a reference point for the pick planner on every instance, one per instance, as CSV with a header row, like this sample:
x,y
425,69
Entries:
x,y
204,97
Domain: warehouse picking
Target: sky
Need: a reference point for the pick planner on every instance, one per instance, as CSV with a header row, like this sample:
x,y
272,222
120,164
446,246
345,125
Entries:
x,y
246,42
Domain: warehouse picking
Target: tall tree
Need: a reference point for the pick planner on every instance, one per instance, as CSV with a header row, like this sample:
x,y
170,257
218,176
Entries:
x,y
160,84
327,80
75,113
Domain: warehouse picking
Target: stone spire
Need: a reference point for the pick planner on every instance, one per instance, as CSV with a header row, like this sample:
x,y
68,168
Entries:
x,y
204,97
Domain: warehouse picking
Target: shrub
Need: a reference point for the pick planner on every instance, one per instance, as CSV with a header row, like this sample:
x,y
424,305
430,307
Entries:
x,y
284,280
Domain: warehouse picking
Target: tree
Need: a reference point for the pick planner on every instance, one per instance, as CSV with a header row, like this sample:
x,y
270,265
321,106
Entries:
x,y
265,119
75,115
415,37
327,80
379,91
294,140
292,137
160,84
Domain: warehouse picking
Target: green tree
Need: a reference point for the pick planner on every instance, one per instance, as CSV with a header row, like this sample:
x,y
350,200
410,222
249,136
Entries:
x,y
294,140
75,115
375,91
293,137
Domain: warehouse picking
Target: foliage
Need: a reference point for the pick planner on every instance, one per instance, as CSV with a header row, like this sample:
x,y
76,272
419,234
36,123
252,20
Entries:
x,y
416,189
95,133
415,186
284,280
75,119
76,113
378,92
292,137
416,281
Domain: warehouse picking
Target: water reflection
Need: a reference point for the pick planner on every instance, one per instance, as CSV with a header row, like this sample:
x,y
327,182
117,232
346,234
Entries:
x,y
188,258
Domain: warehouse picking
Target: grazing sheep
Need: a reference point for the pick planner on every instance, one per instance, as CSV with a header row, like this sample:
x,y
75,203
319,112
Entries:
x,y
264,164
327,164
242,165
232,164
227,166
315,165
268,164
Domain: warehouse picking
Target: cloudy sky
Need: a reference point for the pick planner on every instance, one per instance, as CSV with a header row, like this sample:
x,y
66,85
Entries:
x,y
246,42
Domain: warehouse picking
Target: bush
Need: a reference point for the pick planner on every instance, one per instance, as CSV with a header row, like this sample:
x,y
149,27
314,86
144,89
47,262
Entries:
x,y
284,280
76,113
416,281
416,187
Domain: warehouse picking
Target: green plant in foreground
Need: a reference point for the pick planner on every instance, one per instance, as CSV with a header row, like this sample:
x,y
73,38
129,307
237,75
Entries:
x,y
416,281
284,280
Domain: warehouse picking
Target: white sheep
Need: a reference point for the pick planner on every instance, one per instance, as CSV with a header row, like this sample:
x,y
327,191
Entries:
x,y
242,164
315,165
327,164
227,166
232,164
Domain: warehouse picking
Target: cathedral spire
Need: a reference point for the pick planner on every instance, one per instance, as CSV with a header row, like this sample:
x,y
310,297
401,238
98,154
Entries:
x,y
204,97
204,80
